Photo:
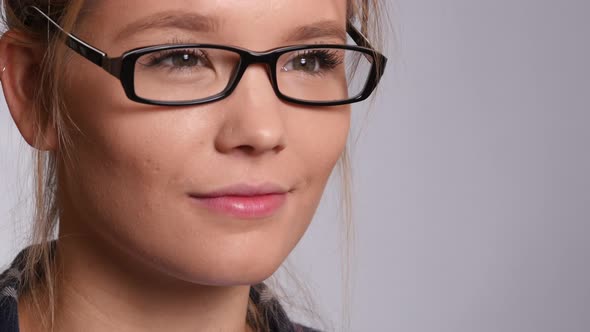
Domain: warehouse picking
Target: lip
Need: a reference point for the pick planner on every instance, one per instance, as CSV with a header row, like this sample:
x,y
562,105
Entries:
x,y
244,201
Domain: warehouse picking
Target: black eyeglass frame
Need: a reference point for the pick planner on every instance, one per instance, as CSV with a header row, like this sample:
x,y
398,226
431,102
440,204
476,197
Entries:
x,y
123,67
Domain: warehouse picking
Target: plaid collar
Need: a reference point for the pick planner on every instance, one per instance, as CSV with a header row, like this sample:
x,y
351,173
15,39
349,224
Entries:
x,y
10,286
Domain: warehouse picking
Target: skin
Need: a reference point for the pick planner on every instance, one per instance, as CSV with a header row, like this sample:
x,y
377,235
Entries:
x,y
137,253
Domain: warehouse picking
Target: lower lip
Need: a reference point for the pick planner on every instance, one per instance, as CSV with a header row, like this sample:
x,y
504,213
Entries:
x,y
244,207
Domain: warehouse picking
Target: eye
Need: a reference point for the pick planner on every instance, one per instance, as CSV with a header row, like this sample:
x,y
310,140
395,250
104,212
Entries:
x,y
178,59
183,60
304,62
312,61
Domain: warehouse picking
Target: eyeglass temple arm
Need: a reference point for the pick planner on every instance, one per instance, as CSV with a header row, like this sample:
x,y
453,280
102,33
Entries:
x,y
363,41
81,47
358,36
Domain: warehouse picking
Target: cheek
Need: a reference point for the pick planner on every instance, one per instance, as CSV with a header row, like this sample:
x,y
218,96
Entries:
x,y
127,159
320,140
117,141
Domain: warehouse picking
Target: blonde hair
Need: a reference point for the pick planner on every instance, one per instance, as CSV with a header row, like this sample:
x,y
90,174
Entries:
x,y
50,111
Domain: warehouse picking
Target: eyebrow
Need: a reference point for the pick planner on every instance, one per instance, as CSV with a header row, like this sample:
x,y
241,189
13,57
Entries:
x,y
322,29
171,19
195,22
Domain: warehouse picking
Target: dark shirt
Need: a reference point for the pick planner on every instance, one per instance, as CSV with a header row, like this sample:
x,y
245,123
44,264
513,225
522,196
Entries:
x,y
10,286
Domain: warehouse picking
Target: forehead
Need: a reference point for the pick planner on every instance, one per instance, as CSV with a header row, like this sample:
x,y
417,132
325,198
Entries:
x,y
240,19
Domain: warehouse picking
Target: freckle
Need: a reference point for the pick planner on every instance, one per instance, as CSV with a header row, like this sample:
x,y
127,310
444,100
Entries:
x,y
155,166
151,166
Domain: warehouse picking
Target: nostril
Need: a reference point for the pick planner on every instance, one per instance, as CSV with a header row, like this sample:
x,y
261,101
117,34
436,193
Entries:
x,y
248,149
252,150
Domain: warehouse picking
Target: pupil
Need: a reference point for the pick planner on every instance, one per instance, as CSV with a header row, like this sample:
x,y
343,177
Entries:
x,y
185,60
306,63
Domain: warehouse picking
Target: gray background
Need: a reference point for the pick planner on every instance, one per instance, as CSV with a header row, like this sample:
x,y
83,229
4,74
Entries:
x,y
472,196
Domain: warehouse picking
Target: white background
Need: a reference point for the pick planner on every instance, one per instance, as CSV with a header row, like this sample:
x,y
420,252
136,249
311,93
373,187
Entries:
x,y
472,192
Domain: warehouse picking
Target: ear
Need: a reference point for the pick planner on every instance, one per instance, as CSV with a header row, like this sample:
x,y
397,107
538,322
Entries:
x,y
20,60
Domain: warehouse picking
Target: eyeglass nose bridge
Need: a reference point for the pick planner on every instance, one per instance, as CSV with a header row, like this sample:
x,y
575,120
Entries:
x,y
248,58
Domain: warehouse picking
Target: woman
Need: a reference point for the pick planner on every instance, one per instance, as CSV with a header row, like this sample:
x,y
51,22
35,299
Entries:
x,y
184,147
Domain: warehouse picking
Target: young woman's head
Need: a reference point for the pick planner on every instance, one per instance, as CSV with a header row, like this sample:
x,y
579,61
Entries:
x,y
182,164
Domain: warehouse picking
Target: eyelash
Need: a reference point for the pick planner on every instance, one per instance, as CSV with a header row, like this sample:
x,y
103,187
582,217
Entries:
x,y
156,58
329,59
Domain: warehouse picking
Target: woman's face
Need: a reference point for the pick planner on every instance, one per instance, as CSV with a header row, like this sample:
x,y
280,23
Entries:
x,y
143,177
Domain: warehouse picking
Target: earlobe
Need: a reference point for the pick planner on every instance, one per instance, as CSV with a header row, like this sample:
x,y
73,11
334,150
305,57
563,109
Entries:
x,y
20,60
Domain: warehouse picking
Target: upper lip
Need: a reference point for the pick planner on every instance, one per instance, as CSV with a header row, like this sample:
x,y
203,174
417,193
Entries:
x,y
243,189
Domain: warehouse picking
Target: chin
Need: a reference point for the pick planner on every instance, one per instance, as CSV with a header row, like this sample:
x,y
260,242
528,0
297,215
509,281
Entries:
x,y
227,269
232,276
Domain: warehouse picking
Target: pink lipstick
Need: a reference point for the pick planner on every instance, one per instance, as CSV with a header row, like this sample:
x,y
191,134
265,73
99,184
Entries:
x,y
244,201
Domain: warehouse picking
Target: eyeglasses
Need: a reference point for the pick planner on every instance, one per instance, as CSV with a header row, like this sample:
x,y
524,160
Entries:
x,y
191,74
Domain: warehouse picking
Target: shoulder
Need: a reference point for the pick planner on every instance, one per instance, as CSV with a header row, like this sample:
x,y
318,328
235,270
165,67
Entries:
x,y
10,281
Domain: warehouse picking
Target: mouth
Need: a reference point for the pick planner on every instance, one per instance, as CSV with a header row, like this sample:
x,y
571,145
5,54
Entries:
x,y
244,201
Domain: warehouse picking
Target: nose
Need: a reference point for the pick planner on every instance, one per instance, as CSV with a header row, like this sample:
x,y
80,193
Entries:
x,y
254,117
